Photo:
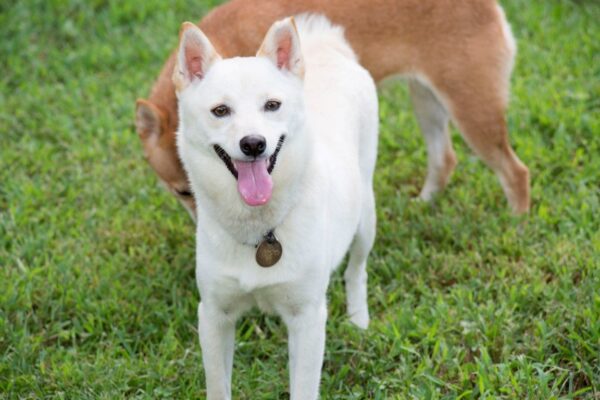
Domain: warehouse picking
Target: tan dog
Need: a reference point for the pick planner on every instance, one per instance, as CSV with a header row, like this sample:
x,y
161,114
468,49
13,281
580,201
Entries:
x,y
458,57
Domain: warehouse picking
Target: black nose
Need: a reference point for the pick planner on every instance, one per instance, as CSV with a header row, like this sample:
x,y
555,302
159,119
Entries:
x,y
253,145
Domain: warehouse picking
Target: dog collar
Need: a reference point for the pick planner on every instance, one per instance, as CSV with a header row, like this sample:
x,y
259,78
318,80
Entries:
x,y
269,250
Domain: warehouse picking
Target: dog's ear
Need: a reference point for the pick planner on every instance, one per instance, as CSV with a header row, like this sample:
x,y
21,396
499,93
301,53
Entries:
x,y
195,56
282,46
149,119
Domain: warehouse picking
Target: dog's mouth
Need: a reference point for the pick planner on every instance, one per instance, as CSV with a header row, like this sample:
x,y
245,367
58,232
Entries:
x,y
253,177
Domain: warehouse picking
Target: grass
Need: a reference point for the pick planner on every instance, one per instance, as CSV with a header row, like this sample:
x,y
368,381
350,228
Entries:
x,y
97,292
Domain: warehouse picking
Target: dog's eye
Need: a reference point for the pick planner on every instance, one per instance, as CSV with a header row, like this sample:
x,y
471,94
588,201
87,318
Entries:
x,y
183,193
272,105
221,111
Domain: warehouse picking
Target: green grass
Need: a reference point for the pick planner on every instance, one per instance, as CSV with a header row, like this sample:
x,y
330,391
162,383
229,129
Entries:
x,y
97,292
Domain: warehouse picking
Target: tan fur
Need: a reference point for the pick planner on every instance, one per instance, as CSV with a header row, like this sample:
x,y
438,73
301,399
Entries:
x,y
460,50
158,138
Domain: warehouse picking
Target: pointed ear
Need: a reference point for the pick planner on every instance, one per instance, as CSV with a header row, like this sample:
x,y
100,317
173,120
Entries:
x,y
149,119
282,46
195,56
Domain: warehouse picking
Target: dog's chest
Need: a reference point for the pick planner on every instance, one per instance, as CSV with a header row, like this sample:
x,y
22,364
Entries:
x,y
278,300
277,290
281,288
253,279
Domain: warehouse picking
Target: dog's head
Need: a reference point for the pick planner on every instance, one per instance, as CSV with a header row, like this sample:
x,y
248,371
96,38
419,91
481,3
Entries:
x,y
238,115
158,138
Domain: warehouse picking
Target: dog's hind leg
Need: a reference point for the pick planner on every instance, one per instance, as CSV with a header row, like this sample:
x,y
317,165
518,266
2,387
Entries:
x,y
355,276
473,83
489,139
480,116
433,120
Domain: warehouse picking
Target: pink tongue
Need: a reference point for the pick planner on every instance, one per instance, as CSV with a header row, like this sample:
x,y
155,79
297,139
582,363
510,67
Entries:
x,y
254,182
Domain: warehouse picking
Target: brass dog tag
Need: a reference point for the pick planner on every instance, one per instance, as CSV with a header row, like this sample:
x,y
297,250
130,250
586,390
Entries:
x,y
269,251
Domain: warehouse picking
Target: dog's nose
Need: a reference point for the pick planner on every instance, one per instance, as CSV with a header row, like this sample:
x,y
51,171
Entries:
x,y
253,145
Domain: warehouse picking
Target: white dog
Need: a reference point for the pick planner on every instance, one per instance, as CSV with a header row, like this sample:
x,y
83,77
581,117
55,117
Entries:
x,y
280,150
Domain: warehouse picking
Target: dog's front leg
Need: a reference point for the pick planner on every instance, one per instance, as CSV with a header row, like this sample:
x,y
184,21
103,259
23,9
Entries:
x,y
217,339
306,341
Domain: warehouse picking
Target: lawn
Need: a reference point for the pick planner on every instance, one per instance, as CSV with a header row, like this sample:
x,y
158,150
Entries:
x,y
97,291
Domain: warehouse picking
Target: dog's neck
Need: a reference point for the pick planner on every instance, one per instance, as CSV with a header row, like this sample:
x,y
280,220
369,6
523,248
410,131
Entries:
x,y
249,225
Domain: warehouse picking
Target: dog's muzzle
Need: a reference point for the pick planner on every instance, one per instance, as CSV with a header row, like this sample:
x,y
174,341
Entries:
x,y
229,163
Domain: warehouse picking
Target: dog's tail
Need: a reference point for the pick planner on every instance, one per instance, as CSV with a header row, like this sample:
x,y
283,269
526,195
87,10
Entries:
x,y
318,30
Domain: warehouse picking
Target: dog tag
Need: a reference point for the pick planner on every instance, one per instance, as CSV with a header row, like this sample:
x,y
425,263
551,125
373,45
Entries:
x,y
269,251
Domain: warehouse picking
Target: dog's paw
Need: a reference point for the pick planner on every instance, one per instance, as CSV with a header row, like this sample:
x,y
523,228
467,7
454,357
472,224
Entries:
x,y
360,319
426,196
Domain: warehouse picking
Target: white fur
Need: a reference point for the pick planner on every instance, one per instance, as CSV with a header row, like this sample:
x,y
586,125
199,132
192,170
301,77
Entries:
x,y
322,203
433,118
